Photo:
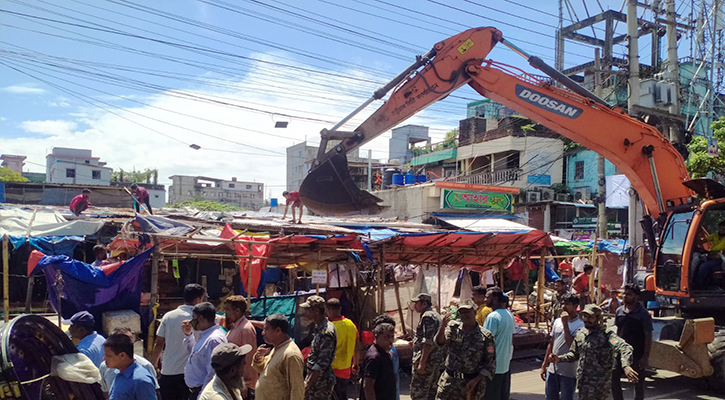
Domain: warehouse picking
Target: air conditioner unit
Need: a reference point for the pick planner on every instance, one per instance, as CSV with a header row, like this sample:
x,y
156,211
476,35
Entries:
x,y
583,194
562,197
547,194
533,197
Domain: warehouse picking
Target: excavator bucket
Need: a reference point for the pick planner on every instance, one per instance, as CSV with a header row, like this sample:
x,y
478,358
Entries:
x,y
330,190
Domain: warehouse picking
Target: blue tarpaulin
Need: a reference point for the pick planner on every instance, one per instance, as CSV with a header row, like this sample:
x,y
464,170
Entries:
x,y
50,245
88,288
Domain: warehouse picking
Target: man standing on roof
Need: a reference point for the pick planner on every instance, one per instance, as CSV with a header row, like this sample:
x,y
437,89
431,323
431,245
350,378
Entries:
x,y
293,199
81,202
319,379
427,355
140,195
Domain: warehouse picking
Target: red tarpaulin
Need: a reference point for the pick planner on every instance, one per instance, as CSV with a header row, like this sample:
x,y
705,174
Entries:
x,y
242,249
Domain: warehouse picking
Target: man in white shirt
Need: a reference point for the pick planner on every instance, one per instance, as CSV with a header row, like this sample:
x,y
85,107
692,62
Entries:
x,y
561,378
578,263
170,336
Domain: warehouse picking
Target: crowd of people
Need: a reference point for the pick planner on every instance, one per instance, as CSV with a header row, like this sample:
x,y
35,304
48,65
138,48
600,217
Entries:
x,y
462,354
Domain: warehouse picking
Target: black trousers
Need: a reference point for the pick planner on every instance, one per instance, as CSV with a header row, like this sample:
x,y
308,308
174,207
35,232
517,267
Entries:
x,y
340,391
617,375
173,387
499,388
137,206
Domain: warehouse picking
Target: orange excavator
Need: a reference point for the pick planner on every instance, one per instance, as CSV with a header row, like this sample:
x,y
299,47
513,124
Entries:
x,y
684,274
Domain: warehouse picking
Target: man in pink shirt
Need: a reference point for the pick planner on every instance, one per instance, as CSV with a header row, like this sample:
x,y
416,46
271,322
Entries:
x,y
81,202
241,332
142,196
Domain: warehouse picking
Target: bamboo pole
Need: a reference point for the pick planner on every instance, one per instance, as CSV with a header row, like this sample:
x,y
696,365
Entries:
x,y
440,306
249,274
6,278
528,288
540,286
397,299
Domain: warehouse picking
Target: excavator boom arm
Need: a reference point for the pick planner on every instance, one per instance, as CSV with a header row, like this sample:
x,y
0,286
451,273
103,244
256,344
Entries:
x,y
637,149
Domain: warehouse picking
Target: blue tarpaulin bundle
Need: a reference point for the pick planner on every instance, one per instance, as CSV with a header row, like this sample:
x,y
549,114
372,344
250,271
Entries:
x,y
88,288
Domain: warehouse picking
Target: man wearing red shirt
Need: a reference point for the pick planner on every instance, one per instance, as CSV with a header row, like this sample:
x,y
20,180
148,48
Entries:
x,y
516,275
565,270
142,196
80,202
293,199
581,284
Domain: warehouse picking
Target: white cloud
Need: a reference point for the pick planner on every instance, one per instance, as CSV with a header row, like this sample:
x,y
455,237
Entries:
x,y
256,156
23,89
61,101
49,127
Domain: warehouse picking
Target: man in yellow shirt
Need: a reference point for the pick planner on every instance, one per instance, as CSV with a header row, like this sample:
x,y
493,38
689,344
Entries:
x,y
346,352
479,297
704,273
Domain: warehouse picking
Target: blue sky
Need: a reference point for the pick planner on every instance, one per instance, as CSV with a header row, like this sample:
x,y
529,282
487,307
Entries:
x,y
138,82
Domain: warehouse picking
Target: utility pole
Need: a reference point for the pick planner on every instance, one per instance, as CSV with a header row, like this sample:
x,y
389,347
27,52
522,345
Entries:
x,y
601,206
673,70
635,214
370,170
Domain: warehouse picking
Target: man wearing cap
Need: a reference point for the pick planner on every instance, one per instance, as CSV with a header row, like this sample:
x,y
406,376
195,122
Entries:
x,y
500,323
471,357
320,379
634,325
90,343
227,360
427,356
596,349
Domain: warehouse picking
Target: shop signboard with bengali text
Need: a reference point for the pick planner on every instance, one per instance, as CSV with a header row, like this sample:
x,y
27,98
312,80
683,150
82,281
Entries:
x,y
476,200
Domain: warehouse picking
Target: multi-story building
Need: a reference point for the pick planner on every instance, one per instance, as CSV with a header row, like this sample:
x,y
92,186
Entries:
x,y
13,162
76,166
249,195
401,139
299,161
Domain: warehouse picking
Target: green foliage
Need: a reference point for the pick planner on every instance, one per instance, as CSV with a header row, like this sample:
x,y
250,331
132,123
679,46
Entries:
x,y
699,163
570,145
560,188
8,175
206,205
145,176
450,141
528,127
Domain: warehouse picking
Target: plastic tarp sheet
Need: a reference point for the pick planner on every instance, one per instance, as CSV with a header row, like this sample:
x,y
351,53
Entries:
x,y
266,306
155,224
50,245
93,289
18,222
258,264
487,224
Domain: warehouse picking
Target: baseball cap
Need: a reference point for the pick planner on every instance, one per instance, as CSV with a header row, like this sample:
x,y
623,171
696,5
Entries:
x,y
314,301
227,354
467,304
592,309
83,318
421,297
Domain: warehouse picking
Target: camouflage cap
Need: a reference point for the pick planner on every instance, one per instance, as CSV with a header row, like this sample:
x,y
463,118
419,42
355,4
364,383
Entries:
x,y
467,305
421,297
314,301
592,309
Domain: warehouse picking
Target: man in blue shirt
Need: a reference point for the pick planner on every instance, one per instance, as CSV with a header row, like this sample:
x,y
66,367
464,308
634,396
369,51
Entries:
x,y
198,371
500,322
133,381
90,343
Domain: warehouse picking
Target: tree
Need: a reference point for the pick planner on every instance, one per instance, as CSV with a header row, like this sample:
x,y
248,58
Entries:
x,y
699,163
145,176
8,175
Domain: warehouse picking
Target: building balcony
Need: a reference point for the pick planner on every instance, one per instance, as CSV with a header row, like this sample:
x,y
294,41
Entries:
x,y
493,178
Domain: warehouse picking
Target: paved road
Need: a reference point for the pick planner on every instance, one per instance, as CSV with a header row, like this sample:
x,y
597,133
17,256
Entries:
x,y
527,385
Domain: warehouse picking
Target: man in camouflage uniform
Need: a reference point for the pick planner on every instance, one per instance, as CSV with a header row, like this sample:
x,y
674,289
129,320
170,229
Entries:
x,y
471,356
427,356
320,379
596,350
556,302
